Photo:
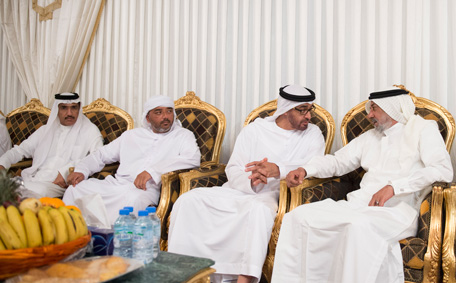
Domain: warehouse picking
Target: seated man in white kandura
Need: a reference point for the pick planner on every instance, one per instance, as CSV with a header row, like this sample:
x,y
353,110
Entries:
x,y
67,137
232,224
358,240
144,154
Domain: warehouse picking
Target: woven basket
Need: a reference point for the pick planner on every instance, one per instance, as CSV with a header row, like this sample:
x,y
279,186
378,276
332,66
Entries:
x,y
13,262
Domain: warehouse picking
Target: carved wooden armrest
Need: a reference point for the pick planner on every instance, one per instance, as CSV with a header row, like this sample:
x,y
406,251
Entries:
x,y
22,164
449,238
16,168
213,175
170,191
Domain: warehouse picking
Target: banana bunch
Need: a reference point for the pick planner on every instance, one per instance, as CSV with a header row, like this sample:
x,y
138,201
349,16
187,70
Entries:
x,y
44,227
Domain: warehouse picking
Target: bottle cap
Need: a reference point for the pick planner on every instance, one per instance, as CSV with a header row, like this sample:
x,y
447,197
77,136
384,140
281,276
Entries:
x,y
124,212
151,209
143,213
130,208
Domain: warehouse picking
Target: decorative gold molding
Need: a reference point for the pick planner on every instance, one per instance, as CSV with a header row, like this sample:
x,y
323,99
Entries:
x,y
185,178
103,105
271,105
165,200
190,100
289,199
202,276
46,13
449,238
33,105
432,258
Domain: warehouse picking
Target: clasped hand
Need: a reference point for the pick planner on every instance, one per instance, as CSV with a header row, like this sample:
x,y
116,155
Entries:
x,y
74,178
295,177
261,171
60,181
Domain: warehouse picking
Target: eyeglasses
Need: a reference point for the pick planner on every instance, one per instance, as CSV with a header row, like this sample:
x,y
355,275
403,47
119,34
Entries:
x,y
304,112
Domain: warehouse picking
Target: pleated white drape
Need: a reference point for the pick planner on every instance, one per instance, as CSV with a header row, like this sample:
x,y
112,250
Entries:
x,y
47,55
236,54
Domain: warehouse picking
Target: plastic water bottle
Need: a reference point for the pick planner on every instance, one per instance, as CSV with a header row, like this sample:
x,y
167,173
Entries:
x,y
143,238
157,228
123,232
132,214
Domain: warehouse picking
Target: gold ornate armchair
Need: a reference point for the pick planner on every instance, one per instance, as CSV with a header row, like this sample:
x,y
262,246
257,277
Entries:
x,y
208,124
421,253
112,122
449,238
215,176
21,123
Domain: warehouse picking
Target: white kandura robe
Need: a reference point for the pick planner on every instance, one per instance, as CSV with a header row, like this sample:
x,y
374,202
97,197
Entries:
x,y
137,150
38,179
5,140
349,241
232,224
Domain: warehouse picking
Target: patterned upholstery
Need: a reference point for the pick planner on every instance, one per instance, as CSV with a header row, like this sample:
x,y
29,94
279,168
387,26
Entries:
x,y
112,122
21,123
336,188
417,266
204,125
209,180
414,248
359,123
25,120
111,126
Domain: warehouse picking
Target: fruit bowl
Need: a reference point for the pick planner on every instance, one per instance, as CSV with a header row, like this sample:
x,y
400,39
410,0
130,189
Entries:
x,y
13,262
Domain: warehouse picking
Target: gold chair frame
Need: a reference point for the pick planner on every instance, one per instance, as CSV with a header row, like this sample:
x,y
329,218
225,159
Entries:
x,y
433,255
102,105
449,238
190,100
34,105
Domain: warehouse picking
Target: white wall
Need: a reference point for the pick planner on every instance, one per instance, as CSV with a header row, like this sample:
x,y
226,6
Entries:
x,y
236,54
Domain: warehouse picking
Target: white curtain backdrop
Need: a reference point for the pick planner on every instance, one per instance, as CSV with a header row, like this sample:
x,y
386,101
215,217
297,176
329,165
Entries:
x,y
236,54
47,55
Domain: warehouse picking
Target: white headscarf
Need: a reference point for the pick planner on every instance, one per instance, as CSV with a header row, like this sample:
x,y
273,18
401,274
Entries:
x,y
400,108
51,127
284,105
159,101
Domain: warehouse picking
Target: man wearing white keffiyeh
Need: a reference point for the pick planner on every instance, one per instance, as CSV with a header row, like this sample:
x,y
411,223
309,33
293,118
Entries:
x,y
232,224
357,240
67,137
161,145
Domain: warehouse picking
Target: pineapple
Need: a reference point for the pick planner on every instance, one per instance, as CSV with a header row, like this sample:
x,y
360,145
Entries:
x,y
9,190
